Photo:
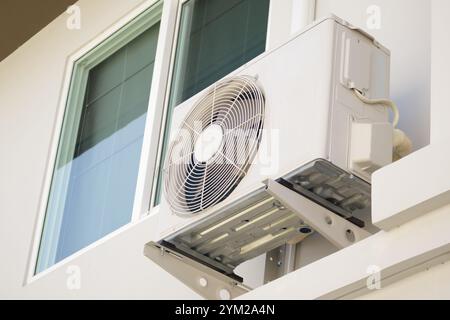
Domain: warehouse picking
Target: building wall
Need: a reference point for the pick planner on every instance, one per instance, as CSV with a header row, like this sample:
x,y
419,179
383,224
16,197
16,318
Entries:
x,y
30,91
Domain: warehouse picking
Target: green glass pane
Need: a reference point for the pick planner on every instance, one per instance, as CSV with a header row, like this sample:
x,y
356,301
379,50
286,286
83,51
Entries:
x,y
215,38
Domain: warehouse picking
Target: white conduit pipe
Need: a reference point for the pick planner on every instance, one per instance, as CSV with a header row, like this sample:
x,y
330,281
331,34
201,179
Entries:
x,y
384,102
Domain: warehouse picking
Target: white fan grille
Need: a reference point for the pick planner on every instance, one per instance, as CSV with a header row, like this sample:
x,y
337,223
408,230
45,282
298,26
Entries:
x,y
237,106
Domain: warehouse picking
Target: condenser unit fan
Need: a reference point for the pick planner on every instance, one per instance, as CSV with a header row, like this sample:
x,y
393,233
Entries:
x,y
215,145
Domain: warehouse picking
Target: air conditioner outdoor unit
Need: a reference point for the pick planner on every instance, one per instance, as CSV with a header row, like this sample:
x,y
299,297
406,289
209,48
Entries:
x,y
288,121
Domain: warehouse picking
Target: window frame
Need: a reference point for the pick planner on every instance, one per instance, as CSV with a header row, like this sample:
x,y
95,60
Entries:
x,y
76,73
176,12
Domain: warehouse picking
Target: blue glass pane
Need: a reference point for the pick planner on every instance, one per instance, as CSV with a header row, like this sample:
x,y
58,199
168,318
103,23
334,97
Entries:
x,y
101,189
93,187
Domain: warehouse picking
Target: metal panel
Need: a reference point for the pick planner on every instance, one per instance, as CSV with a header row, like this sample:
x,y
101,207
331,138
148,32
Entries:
x,y
204,280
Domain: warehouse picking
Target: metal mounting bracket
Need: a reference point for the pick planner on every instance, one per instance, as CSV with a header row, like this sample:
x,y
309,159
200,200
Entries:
x,y
336,229
204,280
213,284
279,262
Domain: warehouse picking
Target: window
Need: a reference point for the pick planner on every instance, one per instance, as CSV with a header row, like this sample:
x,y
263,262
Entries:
x,y
215,37
94,179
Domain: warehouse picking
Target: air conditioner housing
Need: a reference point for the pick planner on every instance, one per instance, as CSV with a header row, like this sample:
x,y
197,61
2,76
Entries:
x,y
310,114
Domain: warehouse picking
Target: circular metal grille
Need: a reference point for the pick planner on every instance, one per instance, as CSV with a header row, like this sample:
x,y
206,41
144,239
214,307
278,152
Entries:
x,y
202,168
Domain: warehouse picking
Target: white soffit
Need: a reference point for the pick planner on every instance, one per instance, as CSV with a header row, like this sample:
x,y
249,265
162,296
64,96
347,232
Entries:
x,y
411,187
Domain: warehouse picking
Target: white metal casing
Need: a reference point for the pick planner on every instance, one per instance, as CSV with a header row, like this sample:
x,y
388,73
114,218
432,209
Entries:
x,y
309,105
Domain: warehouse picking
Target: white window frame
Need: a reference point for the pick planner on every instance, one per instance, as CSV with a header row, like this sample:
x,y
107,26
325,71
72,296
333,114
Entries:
x,y
175,6
157,88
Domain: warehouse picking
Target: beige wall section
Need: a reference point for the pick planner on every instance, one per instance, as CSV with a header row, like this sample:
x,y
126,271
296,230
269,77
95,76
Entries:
x,y
31,80
405,30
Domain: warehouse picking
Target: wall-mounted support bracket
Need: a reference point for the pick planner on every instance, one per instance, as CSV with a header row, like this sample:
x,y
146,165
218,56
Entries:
x,y
204,280
274,202
339,231
279,262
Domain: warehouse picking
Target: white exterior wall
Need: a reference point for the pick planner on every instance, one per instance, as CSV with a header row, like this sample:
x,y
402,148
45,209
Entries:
x,y
30,92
